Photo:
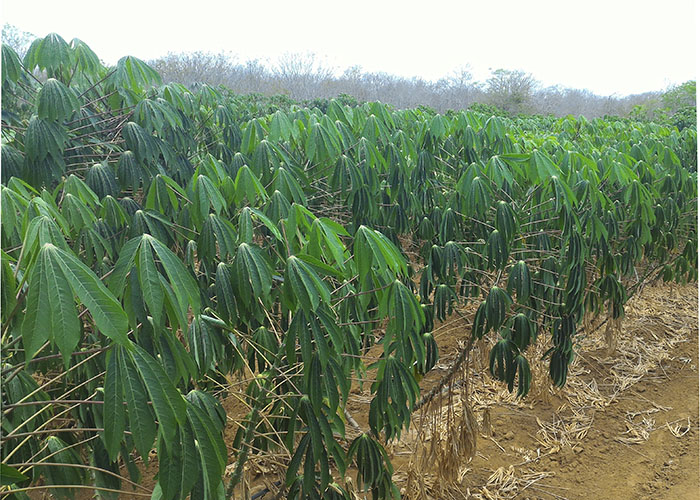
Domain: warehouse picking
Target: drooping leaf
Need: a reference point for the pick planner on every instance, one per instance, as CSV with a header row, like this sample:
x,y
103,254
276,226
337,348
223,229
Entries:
x,y
56,102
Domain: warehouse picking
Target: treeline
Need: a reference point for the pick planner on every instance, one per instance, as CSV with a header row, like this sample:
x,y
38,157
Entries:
x,y
304,77
309,80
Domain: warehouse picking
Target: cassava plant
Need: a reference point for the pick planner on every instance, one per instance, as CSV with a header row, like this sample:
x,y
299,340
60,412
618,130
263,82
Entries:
x,y
161,242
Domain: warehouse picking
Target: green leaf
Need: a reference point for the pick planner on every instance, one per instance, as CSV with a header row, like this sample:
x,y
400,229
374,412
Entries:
x,y
149,280
212,451
182,281
56,102
280,127
305,284
497,304
8,475
141,419
519,280
44,138
50,312
168,403
133,74
404,310
247,185
60,452
86,60
179,466
114,417
104,308
11,65
252,274
127,258
50,53
373,248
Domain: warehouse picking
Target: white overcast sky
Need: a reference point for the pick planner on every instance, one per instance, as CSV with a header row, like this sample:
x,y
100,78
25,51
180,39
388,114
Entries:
x,y
607,46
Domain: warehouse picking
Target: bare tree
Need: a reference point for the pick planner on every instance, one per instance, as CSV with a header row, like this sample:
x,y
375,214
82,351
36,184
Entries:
x,y
303,75
511,90
307,77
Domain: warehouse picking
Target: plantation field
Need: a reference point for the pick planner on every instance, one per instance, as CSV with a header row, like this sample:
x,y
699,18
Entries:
x,y
205,293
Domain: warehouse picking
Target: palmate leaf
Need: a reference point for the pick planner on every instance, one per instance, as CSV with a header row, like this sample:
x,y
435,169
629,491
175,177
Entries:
x,y
280,127
155,114
8,288
302,282
100,177
322,144
497,305
260,217
524,376
205,343
11,65
42,230
502,362
56,277
523,331
87,62
44,138
61,452
128,171
104,308
141,418
56,102
247,185
217,233
12,162
404,310
168,403
253,278
140,142
245,226
50,53
77,212
285,183
265,160
134,74
541,167
325,234
210,405
206,195
163,194
179,465
179,282
506,220
149,279
182,281
212,451
225,299
497,250
372,248
80,189
519,281
114,415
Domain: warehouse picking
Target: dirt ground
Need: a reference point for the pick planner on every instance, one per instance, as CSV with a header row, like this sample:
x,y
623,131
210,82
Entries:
x,y
624,427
